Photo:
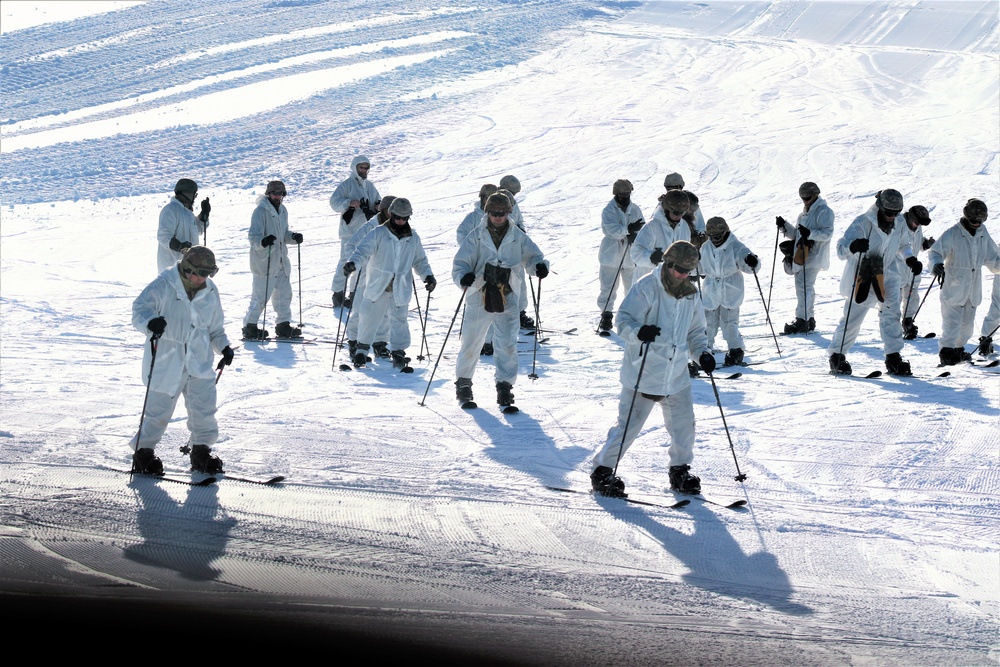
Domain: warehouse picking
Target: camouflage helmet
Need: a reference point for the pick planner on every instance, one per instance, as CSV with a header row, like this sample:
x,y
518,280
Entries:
x,y
622,186
683,255
276,187
485,192
716,226
401,208
510,183
975,211
676,202
889,200
186,185
808,189
385,203
498,202
673,180
199,257
918,215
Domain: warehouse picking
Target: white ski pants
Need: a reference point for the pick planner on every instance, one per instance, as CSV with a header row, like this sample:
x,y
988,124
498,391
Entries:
x,y
474,327
200,401
610,276
279,291
678,417
728,319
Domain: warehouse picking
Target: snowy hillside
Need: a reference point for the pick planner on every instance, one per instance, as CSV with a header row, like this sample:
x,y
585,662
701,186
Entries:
x,y
870,535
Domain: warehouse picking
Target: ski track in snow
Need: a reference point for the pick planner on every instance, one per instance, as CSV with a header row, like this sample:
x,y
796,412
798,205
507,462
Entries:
x,y
871,530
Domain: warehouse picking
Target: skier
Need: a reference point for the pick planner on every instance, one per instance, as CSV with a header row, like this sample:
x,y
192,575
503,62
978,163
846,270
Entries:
x,y
807,253
356,200
958,258
381,344
663,322
181,313
674,181
510,186
722,261
621,221
992,320
390,253
475,217
513,187
666,226
916,218
179,227
871,241
269,238
487,268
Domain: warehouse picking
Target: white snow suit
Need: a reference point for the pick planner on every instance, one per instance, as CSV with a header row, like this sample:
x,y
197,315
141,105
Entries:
x,y
909,283
353,187
184,356
176,222
358,280
658,233
616,264
722,288
665,377
270,266
819,221
964,257
992,318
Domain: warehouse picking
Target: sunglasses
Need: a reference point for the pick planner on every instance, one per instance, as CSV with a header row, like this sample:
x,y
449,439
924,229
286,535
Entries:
x,y
497,214
890,213
679,269
400,217
279,194
204,273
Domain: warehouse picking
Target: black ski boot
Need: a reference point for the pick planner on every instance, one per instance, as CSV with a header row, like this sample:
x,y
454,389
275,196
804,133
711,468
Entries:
x,y
360,356
505,394
487,350
463,390
896,366
839,365
797,326
203,461
812,324
349,301
381,349
526,322
286,330
401,361
352,347
734,357
253,332
909,329
604,482
683,481
338,299
985,345
607,321
145,461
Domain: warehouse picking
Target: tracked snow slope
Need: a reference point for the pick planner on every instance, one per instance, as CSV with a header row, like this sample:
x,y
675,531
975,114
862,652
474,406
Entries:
x,y
871,533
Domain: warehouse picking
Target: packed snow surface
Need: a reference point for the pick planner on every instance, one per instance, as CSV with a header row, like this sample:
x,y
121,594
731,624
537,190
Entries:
x,y
871,531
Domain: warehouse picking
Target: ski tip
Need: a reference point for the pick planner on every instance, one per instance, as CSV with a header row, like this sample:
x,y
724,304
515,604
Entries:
x,y
275,480
873,375
208,481
345,367
469,405
681,503
736,504
510,409
604,334
407,369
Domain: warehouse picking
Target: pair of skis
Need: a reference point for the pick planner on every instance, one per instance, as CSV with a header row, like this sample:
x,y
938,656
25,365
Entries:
x,y
684,502
207,481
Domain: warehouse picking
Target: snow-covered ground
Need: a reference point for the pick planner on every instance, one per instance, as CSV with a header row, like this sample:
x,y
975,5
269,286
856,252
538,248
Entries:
x,y
872,527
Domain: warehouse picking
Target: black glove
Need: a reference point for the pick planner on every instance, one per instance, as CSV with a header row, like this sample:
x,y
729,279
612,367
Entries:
x,y
367,209
656,256
467,280
939,271
752,261
633,230
430,283
541,270
780,222
185,245
928,242
347,215
707,362
914,265
206,208
804,232
177,246
157,325
809,243
227,357
648,333
349,268
297,237
858,246
268,240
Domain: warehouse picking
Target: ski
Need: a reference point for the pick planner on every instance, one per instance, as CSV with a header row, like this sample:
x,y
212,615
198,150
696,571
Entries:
x,y
510,409
988,364
735,505
468,405
871,376
677,505
263,482
569,332
733,376
165,478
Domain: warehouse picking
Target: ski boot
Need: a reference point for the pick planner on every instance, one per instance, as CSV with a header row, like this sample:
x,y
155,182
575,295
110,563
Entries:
x,y
839,365
607,321
203,461
352,348
526,322
985,345
463,390
253,332
360,357
505,394
401,361
604,482
812,324
338,299
896,366
381,349
145,461
798,326
909,329
286,330
734,357
487,350
683,481
349,301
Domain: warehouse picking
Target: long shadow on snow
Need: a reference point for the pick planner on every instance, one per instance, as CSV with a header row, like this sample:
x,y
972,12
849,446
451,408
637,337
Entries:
x,y
184,537
715,561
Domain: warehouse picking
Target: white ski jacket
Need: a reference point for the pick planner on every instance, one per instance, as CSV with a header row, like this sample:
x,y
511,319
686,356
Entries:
x,y
819,221
176,221
353,187
614,224
516,250
391,260
723,268
265,221
656,234
964,256
880,244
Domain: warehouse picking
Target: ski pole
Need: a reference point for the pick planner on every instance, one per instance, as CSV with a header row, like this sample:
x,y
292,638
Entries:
x,y
340,339
441,353
740,477
614,283
767,313
423,324
267,286
149,381
909,294
538,325
299,247
774,263
847,316
643,349
926,294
